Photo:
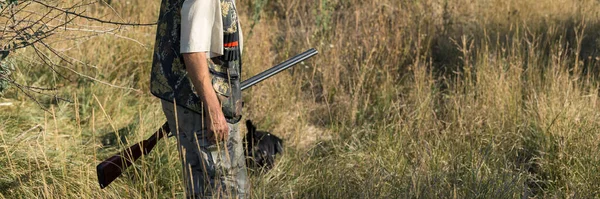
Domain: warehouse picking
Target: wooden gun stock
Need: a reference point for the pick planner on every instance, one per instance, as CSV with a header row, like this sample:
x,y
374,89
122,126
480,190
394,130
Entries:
x,y
111,168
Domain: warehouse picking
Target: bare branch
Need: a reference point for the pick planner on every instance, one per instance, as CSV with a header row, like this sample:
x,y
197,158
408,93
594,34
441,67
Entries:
x,y
27,27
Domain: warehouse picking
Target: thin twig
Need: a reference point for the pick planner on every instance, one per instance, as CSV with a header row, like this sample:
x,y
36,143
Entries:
x,y
31,97
18,137
31,28
33,87
102,82
41,93
110,32
45,57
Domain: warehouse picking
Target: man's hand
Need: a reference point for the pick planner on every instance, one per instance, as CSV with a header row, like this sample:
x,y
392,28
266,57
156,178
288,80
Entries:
x,y
197,68
217,124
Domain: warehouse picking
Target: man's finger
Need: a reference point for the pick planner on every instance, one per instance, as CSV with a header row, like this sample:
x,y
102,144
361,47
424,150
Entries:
x,y
210,135
224,134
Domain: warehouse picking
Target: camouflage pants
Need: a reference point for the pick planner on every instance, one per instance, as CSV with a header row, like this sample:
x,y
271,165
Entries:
x,y
210,170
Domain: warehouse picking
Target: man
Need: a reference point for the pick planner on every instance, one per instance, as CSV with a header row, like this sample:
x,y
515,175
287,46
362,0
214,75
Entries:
x,y
196,72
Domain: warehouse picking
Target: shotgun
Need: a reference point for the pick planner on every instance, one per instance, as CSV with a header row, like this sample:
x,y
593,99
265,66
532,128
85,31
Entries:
x,y
111,168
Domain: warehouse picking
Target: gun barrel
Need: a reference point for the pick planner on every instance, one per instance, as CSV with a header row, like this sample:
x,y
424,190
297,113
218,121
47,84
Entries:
x,y
113,167
278,68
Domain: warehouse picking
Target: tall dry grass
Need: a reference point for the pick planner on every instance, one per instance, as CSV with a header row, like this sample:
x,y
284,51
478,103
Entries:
x,y
407,99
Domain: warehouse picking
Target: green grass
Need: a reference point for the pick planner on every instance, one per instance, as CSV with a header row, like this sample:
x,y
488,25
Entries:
x,y
415,99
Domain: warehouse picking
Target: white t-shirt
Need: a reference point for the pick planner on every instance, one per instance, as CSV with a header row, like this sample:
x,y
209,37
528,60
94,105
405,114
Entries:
x,y
202,27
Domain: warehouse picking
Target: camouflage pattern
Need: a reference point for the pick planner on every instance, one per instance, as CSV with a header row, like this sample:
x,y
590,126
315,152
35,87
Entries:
x,y
211,170
169,79
227,86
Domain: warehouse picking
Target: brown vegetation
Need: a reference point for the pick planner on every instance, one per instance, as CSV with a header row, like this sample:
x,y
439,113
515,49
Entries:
x,y
407,99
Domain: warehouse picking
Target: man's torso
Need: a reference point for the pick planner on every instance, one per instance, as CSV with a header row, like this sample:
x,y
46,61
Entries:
x,y
169,79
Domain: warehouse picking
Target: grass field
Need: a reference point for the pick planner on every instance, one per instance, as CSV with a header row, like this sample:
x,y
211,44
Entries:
x,y
407,99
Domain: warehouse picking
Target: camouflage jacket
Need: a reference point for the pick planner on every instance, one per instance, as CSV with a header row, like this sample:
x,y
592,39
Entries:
x,y
169,79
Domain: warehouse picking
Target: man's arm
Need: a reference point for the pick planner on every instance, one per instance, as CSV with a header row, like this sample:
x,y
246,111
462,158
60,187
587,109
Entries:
x,y
197,68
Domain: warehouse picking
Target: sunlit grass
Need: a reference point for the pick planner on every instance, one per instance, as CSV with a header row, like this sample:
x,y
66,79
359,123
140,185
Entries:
x,y
425,99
